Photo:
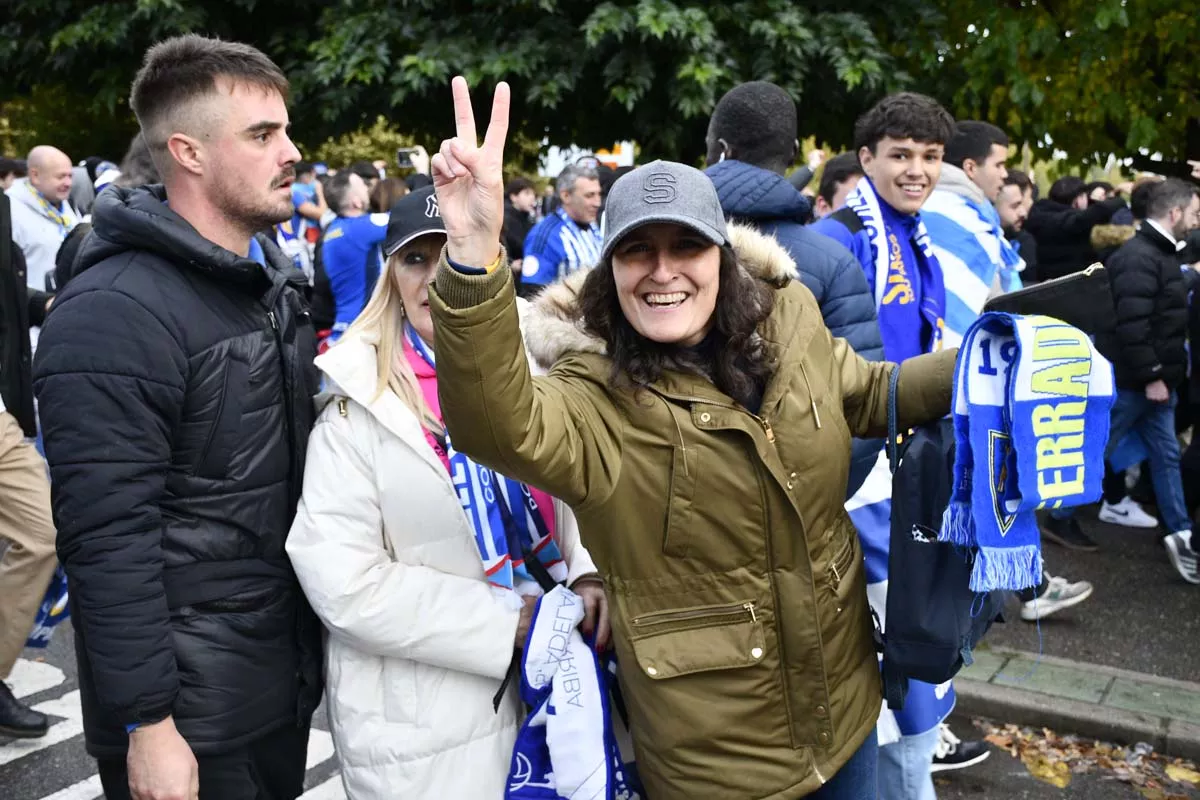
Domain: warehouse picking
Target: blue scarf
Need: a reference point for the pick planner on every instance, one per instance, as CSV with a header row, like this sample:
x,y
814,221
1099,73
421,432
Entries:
x,y
567,747
1031,407
503,512
896,267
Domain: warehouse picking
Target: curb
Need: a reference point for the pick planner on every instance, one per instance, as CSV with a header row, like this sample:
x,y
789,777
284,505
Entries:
x,y
1169,736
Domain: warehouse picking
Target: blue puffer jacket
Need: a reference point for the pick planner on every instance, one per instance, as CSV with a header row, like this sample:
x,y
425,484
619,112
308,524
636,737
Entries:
x,y
770,203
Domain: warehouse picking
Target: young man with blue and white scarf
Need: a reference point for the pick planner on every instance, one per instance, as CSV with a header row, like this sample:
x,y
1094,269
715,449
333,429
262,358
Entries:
x,y
900,145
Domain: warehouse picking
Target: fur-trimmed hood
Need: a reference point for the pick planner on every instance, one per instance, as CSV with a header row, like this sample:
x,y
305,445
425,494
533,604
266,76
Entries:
x,y
553,324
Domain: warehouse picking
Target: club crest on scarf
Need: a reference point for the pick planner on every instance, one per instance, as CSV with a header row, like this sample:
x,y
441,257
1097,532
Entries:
x,y
1006,498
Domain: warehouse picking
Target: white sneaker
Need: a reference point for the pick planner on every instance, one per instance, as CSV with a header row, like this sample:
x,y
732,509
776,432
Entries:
x,y
1127,513
1183,557
1059,594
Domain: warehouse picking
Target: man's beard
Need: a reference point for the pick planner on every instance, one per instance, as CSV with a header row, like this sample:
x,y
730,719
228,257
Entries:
x,y
254,213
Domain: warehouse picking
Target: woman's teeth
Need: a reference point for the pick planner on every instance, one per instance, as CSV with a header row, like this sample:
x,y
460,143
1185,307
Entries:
x,y
672,299
912,188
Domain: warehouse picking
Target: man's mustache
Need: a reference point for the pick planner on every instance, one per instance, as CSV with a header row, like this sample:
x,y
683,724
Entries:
x,y
288,174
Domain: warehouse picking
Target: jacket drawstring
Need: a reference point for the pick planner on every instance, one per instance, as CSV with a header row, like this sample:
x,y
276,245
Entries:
x,y
812,398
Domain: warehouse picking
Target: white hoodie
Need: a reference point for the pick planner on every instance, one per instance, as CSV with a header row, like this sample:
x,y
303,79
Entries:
x,y
38,236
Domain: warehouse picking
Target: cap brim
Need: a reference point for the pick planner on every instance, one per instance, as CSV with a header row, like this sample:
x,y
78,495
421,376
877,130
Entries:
x,y
390,248
707,231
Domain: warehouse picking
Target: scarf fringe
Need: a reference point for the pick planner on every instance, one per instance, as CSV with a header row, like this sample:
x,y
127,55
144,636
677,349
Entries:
x,y
957,526
1012,568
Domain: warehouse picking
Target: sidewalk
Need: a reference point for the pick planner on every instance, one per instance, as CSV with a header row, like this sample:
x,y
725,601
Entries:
x,y
1087,699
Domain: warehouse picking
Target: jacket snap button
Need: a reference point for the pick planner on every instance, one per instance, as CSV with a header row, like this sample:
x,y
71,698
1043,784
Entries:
x,y
651,671
756,652
705,417
824,737
820,710
790,485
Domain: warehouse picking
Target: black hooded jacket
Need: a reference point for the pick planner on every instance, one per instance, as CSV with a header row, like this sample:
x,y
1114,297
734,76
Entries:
x,y
1064,234
175,382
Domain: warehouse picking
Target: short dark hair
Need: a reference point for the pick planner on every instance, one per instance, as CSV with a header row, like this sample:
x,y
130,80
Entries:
x,y
1066,189
1140,195
837,171
906,115
1094,185
363,169
10,166
138,168
973,139
1168,194
178,71
518,185
1020,180
758,122
305,168
337,188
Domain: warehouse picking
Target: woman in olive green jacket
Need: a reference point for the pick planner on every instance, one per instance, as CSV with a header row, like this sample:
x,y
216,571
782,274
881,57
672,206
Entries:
x,y
698,419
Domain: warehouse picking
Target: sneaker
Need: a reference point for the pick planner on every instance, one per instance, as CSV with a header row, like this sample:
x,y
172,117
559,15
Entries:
x,y
1068,534
953,753
1183,557
1060,593
1127,513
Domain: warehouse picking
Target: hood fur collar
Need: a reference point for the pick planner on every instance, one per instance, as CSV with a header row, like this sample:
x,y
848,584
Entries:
x,y
554,327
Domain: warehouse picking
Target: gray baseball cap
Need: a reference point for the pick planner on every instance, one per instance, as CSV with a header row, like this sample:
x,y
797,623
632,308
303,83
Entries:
x,y
663,191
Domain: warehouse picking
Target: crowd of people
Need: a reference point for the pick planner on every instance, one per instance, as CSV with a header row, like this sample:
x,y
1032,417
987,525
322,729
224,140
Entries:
x,y
321,431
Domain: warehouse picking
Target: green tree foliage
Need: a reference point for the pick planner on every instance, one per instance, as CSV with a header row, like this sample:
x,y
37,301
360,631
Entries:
x,y
1088,77
1095,76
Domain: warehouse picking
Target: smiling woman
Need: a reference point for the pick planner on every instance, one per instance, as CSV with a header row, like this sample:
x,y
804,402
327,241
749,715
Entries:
x,y
697,417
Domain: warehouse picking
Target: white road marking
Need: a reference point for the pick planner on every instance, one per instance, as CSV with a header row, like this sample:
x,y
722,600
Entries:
x,y
30,677
71,726
84,790
331,789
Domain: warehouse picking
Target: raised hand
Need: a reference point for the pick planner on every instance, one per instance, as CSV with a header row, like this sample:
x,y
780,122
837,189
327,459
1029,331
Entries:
x,y
469,180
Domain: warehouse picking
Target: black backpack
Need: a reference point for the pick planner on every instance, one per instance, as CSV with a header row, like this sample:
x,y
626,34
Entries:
x,y
934,619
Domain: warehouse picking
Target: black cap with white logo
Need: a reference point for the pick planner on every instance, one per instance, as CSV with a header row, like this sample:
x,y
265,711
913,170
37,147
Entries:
x,y
413,215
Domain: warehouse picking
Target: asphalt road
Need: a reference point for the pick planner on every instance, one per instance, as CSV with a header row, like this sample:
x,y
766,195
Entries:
x,y
1142,615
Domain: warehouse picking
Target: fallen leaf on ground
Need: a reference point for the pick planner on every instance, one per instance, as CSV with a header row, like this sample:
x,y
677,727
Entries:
x,y
1182,774
1055,773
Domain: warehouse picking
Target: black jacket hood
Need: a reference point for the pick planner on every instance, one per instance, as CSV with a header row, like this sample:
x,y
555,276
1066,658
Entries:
x,y
139,219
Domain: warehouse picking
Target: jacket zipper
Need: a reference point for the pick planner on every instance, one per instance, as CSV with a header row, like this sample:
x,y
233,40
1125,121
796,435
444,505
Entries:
x,y
661,617
289,411
763,422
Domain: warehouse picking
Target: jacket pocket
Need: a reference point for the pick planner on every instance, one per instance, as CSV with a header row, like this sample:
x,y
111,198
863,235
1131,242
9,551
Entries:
x,y
842,562
680,502
226,427
399,691
668,644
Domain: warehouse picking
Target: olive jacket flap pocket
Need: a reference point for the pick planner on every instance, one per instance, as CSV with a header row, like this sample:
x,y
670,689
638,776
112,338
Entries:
x,y
672,653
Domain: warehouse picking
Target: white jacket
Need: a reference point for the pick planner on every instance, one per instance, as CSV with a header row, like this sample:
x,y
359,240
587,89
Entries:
x,y
417,644
38,236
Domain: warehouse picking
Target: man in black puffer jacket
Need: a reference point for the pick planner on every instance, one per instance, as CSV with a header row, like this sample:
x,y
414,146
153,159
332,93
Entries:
x,y
1149,353
1062,223
174,376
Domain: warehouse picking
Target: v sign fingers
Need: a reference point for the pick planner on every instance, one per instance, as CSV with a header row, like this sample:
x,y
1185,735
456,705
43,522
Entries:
x,y
469,180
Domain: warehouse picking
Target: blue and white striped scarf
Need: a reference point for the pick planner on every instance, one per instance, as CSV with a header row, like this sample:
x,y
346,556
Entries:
x,y
969,244
1031,407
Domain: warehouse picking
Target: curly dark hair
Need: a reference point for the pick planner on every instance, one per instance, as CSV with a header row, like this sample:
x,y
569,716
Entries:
x,y
733,355
905,115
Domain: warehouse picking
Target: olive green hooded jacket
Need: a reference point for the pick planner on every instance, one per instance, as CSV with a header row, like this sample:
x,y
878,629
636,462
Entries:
x,y
736,580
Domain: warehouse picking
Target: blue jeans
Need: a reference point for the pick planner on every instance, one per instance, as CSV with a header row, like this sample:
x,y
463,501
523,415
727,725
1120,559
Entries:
x,y
856,780
904,767
1156,423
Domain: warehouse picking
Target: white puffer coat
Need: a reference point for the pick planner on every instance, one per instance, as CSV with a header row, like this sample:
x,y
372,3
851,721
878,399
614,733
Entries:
x,y
417,644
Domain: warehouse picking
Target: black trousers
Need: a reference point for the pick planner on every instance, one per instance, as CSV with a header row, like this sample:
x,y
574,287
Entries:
x,y
271,768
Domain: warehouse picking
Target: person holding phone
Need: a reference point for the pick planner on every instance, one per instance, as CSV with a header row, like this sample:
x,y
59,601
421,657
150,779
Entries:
x,y
697,418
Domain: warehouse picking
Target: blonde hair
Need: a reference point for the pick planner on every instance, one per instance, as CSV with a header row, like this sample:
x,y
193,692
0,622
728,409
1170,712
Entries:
x,y
381,322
